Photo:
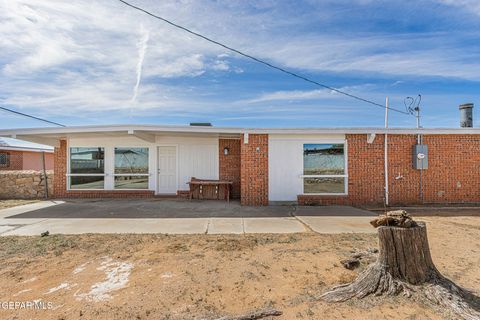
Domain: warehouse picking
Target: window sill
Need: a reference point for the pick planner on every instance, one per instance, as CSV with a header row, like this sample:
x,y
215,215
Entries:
x,y
87,190
325,194
110,190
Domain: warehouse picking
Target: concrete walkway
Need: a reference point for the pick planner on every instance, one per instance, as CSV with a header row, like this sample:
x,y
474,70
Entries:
x,y
177,217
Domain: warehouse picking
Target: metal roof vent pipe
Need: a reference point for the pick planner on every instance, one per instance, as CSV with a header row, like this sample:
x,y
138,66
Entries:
x,y
200,124
466,115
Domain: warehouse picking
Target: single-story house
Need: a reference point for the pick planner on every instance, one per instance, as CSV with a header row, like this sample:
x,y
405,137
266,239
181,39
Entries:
x,y
22,155
306,165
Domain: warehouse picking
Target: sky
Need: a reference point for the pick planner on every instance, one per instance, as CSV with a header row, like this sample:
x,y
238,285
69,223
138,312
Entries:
x,y
89,62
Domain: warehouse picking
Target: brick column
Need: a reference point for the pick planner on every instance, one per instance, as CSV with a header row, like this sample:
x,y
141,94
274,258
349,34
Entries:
x,y
230,164
254,170
60,170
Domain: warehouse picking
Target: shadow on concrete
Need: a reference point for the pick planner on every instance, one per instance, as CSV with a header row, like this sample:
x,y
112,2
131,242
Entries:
x,y
151,208
161,208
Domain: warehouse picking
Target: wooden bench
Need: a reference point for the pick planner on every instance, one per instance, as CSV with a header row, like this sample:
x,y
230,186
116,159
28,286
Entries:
x,y
199,184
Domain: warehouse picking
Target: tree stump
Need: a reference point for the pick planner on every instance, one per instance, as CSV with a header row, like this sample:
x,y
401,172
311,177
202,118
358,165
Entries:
x,y
404,265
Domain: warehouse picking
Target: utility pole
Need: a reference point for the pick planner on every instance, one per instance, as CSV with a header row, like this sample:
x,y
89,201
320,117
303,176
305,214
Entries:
x,y
419,141
417,115
45,177
386,152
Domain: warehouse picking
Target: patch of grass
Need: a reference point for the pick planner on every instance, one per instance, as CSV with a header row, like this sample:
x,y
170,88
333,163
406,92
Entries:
x,y
35,246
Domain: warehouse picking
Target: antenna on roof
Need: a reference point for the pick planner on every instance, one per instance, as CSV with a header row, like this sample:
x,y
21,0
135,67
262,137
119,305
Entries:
x,y
412,105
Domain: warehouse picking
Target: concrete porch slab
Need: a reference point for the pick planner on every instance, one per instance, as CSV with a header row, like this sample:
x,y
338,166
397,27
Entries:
x,y
177,217
28,207
225,226
4,229
332,211
273,225
80,226
329,224
19,222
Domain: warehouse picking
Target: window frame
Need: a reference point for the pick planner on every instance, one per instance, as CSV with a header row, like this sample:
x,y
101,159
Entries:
x,y
69,174
7,160
131,174
344,175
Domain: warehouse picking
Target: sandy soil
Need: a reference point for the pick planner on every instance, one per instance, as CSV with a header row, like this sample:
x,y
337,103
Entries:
x,y
205,277
13,203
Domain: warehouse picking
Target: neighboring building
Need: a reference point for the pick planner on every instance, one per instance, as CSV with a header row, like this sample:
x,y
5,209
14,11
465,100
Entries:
x,y
305,166
22,155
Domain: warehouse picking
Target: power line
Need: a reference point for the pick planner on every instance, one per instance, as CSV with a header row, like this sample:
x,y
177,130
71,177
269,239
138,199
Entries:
x,y
32,117
260,60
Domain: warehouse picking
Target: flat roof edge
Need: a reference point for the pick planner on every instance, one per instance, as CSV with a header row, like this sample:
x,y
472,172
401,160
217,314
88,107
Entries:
x,y
228,130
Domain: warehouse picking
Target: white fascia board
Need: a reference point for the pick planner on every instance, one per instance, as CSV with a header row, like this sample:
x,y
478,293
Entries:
x,y
152,129
145,136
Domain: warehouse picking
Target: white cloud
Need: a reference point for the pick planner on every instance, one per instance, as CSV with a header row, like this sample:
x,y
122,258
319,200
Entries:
x,y
190,65
69,56
289,95
470,5
221,65
296,95
142,48
426,55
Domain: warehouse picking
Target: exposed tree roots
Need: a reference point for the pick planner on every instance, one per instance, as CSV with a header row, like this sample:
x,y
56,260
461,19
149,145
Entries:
x,y
446,294
404,266
439,291
375,280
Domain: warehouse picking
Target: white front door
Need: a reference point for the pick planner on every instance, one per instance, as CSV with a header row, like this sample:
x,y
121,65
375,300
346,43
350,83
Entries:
x,y
167,170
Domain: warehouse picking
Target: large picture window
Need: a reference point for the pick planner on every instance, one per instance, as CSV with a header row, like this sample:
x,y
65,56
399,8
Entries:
x,y
324,169
131,168
87,168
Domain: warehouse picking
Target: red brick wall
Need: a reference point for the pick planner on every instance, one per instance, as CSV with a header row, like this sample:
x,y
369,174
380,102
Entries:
x,y
15,160
365,174
60,170
230,164
453,174
254,170
107,194
60,182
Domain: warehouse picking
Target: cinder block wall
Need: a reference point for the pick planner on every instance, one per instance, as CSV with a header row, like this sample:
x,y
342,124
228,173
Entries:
x,y
453,174
254,170
230,164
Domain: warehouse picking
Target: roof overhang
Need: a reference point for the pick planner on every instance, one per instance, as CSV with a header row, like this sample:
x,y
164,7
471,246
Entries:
x,y
52,136
26,149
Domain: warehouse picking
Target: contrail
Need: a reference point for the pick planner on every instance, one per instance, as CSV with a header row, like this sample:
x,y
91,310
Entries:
x,y
142,48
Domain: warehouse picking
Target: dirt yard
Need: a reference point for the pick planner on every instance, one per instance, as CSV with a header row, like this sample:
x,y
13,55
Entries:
x,y
13,203
206,277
